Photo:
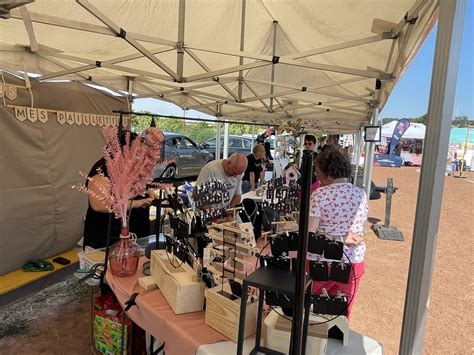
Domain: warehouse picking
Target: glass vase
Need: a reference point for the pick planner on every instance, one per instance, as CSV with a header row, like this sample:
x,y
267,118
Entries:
x,y
124,255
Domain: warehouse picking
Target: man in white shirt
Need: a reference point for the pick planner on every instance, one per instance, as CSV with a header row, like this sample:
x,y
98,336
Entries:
x,y
228,171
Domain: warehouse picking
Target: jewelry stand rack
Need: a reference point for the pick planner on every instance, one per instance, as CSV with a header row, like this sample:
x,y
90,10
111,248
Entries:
x,y
285,281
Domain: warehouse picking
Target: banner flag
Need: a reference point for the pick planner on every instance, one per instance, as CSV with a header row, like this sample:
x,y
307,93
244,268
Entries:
x,y
400,129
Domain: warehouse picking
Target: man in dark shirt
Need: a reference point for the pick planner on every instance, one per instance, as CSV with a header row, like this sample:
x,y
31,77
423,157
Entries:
x,y
254,171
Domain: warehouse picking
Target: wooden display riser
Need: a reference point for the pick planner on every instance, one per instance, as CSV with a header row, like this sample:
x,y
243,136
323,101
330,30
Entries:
x,y
319,326
179,285
222,313
278,339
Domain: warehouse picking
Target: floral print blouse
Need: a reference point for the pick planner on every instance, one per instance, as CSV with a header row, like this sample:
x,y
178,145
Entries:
x,y
341,208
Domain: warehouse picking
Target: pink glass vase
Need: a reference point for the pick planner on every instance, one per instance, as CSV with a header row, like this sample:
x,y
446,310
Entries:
x,y
124,255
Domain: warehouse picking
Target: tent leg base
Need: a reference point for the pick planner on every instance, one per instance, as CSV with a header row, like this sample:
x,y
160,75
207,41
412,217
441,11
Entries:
x,y
387,232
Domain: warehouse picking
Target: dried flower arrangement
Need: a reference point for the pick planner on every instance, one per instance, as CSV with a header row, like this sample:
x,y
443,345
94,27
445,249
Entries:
x,y
129,170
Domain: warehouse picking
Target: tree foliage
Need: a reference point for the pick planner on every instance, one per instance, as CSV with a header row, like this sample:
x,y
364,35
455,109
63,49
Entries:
x,y
198,131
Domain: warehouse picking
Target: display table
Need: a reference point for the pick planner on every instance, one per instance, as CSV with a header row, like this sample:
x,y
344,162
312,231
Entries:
x,y
188,334
182,333
253,196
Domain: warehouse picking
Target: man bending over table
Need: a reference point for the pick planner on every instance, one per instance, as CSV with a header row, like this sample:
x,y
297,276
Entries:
x,y
228,171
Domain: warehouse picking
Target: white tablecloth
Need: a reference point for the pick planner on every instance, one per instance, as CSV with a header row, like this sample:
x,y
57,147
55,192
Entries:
x,y
358,345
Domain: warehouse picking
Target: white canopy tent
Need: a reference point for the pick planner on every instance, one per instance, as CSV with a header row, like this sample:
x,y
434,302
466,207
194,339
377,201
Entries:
x,y
265,61
415,131
323,65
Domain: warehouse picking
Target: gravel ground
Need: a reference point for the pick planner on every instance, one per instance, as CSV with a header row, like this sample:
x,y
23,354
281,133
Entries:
x,y
378,311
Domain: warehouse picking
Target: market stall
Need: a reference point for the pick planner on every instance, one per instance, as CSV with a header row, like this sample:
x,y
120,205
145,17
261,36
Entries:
x,y
411,149
131,52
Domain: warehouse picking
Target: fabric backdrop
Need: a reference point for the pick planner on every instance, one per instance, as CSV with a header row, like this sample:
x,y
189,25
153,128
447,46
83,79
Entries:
x,y
40,214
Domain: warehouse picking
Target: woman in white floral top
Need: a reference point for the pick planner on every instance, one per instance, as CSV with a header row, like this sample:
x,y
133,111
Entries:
x,y
339,210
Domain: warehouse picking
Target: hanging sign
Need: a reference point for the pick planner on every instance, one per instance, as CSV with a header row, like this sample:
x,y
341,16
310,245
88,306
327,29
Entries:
x,y
33,114
10,91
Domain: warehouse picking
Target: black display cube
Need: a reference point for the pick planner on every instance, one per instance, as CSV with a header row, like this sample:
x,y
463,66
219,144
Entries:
x,y
276,280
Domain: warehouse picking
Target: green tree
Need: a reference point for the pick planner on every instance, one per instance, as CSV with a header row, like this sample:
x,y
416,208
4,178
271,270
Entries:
x,y
422,119
140,123
461,121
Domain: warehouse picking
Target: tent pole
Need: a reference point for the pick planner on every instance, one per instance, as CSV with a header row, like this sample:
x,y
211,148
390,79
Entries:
x,y
225,155
357,155
430,191
218,141
242,42
180,43
253,136
272,87
369,156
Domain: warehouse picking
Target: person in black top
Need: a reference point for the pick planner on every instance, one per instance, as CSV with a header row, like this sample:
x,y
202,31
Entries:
x,y
97,216
254,171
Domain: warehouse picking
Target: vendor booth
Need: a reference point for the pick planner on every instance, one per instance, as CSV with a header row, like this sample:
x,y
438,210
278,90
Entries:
x,y
270,63
411,142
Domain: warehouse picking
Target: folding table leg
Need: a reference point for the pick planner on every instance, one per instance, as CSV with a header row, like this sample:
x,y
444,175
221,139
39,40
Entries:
x,y
259,320
243,311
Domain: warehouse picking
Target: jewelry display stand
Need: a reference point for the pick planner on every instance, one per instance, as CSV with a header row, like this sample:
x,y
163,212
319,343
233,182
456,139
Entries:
x,y
286,282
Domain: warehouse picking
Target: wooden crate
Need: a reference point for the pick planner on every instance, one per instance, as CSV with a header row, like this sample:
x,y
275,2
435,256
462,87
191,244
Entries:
x,y
223,314
184,293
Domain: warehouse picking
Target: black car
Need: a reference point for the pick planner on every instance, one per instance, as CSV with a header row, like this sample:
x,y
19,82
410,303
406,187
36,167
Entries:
x,y
186,156
237,144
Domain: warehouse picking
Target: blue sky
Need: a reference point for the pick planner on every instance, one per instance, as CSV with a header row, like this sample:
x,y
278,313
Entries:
x,y
410,96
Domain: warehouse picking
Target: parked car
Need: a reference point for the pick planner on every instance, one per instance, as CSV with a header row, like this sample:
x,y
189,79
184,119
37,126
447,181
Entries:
x,y
237,144
188,158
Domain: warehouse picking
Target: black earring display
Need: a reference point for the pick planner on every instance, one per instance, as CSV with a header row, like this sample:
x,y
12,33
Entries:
x,y
279,246
340,272
275,262
174,221
333,250
236,288
338,305
169,244
183,229
278,299
320,304
316,243
319,270
293,241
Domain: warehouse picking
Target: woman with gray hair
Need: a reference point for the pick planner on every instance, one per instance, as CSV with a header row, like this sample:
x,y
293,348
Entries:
x,y
339,210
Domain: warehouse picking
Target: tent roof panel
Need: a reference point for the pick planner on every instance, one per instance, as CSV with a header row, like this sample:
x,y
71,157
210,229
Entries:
x,y
326,51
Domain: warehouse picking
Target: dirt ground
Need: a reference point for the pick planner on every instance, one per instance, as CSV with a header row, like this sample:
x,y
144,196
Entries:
x,y
63,326
378,311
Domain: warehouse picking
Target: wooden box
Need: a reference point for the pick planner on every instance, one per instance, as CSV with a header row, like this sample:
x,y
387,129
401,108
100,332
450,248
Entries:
x,y
320,327
184,293
278,339
223,314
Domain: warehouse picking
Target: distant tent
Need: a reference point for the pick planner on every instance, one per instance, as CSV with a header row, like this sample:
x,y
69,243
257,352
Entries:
x,y
415,131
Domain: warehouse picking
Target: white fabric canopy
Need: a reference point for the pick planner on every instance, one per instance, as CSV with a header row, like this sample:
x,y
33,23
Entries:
x,y
313,63
415,131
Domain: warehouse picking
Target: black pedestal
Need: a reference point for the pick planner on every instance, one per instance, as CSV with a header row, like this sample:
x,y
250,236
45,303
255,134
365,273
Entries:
x,y
276,280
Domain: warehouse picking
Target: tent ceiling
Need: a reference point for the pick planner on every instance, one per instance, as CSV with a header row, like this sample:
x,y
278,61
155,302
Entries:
x,y
314,61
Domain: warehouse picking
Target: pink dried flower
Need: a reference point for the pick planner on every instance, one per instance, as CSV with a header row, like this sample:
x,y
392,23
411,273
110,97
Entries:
x,y
129,169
